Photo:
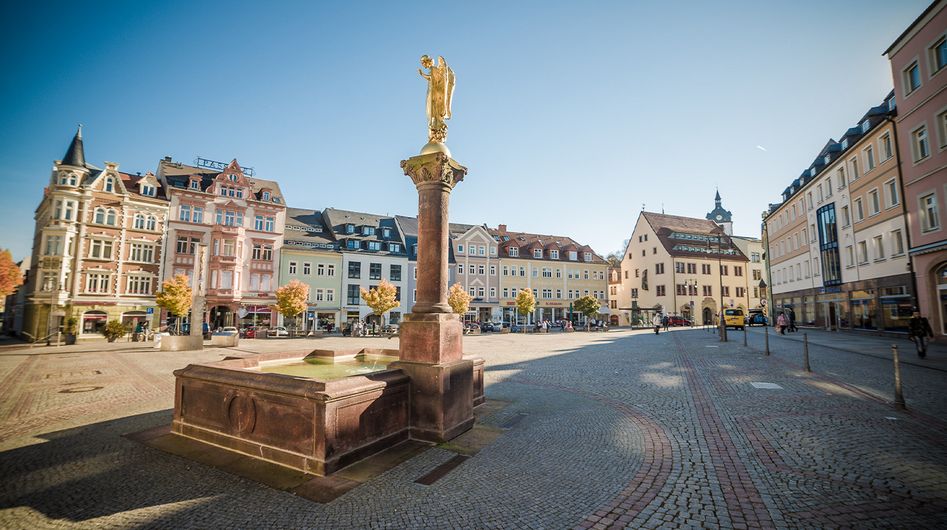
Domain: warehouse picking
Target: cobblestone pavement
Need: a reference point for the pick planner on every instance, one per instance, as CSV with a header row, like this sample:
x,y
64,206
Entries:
x,y
622,429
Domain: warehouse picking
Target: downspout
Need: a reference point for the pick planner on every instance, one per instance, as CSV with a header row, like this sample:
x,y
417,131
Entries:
x,y
904,211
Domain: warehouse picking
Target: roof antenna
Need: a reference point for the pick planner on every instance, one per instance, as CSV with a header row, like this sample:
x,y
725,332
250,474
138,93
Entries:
x,y
662,208
642,207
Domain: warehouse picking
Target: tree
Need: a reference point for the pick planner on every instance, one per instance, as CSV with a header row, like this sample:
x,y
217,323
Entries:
x,y
525,302
381,299
114,330
11,276
292,298
175,297
458,299
588,306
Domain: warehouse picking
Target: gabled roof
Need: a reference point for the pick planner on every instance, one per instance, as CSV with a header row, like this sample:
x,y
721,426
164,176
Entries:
x,y
178,175
526,242
692,238
336,220
131,183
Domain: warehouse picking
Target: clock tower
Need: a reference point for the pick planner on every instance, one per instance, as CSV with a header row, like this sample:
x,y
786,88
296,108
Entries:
x,y
721,217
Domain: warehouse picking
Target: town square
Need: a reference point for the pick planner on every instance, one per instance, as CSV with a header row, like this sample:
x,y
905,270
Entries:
x,y
516,270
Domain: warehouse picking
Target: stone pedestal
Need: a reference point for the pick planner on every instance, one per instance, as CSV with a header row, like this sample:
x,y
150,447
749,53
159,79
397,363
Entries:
x,y
442,398
431,338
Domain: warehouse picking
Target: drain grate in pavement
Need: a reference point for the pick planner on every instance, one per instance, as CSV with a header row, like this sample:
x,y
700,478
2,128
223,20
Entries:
x,y
767,386
440,471
80,389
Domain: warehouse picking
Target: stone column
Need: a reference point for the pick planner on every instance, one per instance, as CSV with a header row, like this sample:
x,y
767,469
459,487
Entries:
x,y
431,347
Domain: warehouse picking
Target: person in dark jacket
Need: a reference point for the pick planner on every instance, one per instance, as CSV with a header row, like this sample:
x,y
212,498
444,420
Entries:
x,y
919,331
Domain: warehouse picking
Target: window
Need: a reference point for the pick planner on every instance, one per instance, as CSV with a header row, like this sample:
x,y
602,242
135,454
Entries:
x,y
53,246
353,244
394,247
737,270
266,195
912,78
757,274
97,283
879,248
292,267
258,223
100,249
110,184
659,290
854,162
148,191
809,198
460,248
374,271
892,191
523,271
920,145
930,220
198,216
724,270
386,233
741,292
493,271
840,177
139,222
152,223
184,213
493,250
869,159
330,295
859,210
482,250
850,254
195,185
708,290
513,251
460,268
554,254
897,243
353,295
330,270
228,248
374,245
395,273
938,55
659,268
355,269
874,202
726,290
537,253
320,295
138,285
942,129
862,252
368,230
142,253
886,150
846,218
307,269
705,268
678,267
349,228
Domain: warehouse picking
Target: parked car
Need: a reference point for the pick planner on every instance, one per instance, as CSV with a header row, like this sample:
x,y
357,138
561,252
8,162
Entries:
x,y
278,331
733,318
756,319
491,326
677,320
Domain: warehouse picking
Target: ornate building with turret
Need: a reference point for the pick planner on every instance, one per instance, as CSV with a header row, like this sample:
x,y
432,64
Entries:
x,y
721,216
96,248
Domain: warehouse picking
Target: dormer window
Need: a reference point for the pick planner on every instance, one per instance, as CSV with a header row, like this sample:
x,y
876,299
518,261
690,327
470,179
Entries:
x,y
349,228
537,253
865,126
148,191
374,245
845,143
368,230
110,184
513,252
891,104
195,185
352,244
573,255
827,159
233,178
554,254
67,179
812,172
386,233
587,256
266,195
394,247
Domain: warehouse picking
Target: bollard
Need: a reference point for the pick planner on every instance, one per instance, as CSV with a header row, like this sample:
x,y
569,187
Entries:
x,y
898,396
766,334
805,351
744,335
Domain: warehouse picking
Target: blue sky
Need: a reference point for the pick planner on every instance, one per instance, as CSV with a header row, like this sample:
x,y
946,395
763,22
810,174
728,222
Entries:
x,y
569,115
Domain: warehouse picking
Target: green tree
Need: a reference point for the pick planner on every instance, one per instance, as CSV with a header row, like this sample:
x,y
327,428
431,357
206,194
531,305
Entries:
x,y
175,297
382,298
588,306
525,302
458,299
114,330
292,299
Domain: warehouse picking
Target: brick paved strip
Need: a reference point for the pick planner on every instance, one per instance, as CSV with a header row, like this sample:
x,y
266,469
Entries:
x,y
741,496
652,475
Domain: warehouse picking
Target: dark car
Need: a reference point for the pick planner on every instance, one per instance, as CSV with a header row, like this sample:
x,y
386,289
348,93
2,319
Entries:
x,y
676,320
756,319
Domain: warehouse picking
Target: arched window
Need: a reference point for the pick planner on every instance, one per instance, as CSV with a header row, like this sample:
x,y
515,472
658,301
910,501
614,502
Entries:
x,y
139,221
100,216
110,184
110,217
151,222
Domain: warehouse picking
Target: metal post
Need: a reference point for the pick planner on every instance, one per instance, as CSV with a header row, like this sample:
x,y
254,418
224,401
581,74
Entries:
x,y
805,351
744,334
898,395
766,334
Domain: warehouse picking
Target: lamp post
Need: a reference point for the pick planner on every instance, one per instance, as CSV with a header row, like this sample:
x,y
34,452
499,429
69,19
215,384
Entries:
x,y
723,322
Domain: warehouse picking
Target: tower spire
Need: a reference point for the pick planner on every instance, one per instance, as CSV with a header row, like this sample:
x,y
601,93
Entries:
x,y
75,155
717,197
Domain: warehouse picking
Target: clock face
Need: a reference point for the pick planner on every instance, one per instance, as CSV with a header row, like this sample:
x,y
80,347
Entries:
x,y
719,217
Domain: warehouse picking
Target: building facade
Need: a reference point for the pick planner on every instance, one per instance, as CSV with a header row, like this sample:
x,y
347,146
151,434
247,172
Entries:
x,y
238,220
837,241
311,255
919,67
556,269
96,249
683,266
477,267
373,250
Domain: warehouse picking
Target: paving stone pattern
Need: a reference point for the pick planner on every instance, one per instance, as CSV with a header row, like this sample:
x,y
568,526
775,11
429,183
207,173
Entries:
x,y
616,430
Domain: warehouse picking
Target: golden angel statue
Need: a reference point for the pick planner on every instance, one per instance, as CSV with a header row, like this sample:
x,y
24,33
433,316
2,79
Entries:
x,y
440,92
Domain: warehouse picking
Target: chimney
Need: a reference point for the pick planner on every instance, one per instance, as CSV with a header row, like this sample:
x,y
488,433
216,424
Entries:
x,y
501,229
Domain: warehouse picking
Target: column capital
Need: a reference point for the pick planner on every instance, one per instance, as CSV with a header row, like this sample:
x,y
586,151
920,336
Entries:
x,y
434,168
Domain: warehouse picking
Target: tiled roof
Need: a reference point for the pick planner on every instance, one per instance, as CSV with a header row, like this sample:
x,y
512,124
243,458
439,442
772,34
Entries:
x,y
131,185
306,229
526,242
178,175
691,237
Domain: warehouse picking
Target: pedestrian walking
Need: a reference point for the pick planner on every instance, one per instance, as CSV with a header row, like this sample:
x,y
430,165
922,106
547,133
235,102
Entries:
x,y
919,331
666,321
791,317
781,323
656,321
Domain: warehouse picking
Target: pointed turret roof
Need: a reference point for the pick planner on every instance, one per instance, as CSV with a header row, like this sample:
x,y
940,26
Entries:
x,y
719,214
75,155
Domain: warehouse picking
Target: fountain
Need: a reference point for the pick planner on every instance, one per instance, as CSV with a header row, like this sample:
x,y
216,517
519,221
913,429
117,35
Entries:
x,y
331,408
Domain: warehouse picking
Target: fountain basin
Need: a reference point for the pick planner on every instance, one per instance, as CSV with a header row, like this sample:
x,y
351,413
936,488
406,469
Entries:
x,y
316,413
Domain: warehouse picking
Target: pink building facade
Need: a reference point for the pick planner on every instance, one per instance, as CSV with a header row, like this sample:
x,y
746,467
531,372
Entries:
x,y
919,68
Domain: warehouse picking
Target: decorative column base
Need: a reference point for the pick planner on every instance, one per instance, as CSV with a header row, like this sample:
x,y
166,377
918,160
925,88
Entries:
x,y
431,338
441,398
